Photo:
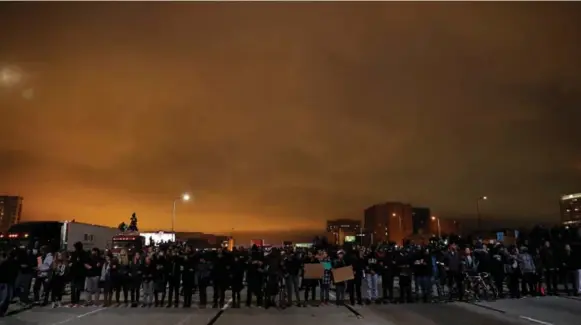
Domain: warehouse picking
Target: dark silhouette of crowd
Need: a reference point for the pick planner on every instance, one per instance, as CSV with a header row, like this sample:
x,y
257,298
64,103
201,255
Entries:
x,y
170,275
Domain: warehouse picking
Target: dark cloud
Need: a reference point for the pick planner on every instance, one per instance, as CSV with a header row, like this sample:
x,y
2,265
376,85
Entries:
x,y
286,114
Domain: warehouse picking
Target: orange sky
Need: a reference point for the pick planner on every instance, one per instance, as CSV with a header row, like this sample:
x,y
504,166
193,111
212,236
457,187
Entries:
x,y
278,116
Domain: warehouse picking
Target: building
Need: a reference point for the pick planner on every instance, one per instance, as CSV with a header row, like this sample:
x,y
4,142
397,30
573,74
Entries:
x,y
446,226
350,225
390,221
218,239
200,239
185,235
194,235
421,218
570,208
10,211
340,231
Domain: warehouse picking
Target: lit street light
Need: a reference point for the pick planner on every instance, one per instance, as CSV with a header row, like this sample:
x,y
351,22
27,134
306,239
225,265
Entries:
x,y
399,219
438,224
9,76
185,197
482,198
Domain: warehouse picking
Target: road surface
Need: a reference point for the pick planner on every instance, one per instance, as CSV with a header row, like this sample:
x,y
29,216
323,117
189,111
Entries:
x,y
535,311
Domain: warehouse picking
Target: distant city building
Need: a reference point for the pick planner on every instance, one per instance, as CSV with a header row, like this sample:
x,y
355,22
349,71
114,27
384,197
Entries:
x,y
351,225
10,211
421,220
390,221
447,227
571,208
203,240
340,231
184,235
211,239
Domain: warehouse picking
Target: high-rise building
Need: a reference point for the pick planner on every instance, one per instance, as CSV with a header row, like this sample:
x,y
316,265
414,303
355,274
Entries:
x,y
340,231
10,211
421,221
570,208
390,221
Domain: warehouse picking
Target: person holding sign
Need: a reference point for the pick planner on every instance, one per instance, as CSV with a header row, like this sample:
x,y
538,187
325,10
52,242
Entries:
x,y
354,286
339,279
314,271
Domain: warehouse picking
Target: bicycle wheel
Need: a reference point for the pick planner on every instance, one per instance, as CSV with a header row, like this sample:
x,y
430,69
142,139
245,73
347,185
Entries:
x,y
482,290
493,290
469,293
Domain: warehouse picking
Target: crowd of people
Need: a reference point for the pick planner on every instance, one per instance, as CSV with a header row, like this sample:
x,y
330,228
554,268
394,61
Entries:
x,y
169,276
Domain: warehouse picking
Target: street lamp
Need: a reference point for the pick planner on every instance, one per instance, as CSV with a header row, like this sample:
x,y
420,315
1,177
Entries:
x,y
399,219
482,198
184,197
10,76
438,224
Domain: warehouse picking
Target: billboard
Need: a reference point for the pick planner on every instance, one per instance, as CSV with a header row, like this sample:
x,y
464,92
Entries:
x,y
350,239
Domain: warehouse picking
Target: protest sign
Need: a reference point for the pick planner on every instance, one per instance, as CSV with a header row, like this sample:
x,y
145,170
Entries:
x,y
342,274
314,271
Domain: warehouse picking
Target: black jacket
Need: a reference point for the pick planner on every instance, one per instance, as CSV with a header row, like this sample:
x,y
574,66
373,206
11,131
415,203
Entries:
x,y
8,270
77,261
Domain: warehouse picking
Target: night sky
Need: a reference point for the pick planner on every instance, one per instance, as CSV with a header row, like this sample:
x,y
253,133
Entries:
x,y
282,115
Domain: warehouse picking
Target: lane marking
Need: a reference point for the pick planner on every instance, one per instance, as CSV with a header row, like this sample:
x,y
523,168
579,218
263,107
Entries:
x,y
227,304
222,310
484,307
80,316
92,312
570,298
185,320
535,320
348,306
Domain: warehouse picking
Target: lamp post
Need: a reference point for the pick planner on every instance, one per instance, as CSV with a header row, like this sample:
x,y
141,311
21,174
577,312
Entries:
x,y
399,219
184,197
400,226
438,224
481,198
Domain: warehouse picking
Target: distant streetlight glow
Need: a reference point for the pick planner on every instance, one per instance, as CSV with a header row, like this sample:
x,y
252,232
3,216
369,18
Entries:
x,y
9,76
434,218
400,223
184,197
482,198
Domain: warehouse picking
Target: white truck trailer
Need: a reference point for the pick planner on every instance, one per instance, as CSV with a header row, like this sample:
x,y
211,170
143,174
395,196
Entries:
x,y
60,235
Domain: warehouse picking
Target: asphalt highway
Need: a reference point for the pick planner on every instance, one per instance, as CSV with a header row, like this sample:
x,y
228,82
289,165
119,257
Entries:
x,y
539,311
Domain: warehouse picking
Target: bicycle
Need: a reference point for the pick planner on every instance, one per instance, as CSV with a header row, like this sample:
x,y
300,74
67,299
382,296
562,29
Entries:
x,y
479,287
